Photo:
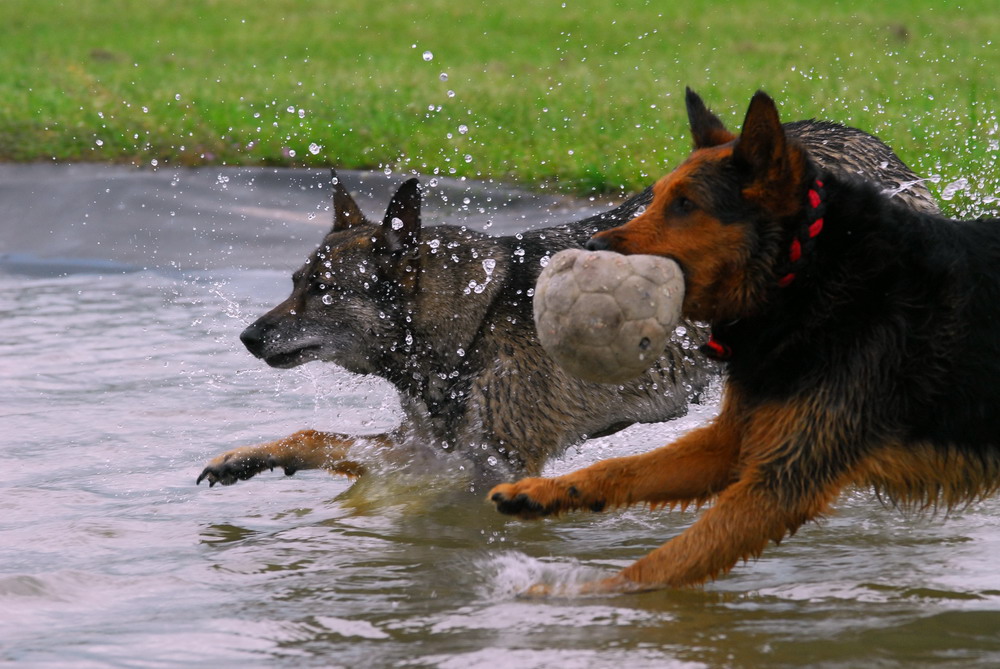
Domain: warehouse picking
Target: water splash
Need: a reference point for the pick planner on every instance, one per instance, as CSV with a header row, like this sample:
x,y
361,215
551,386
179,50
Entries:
x,y
509,575
949,191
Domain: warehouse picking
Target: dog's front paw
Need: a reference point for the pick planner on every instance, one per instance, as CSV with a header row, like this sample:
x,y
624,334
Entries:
x,y
534,497
239,465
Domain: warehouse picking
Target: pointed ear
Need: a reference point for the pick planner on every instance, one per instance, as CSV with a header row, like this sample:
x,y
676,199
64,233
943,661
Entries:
x,y
346,212
761,146
401,224
706,128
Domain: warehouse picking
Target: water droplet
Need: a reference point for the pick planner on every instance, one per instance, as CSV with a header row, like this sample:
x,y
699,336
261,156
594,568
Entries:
x,y
492,461
315,148
489,265
397,224
949,191
461,352
428,56
462,129
443,76
290,109
302,113
468,158
99,142
327,299
451,94
388,171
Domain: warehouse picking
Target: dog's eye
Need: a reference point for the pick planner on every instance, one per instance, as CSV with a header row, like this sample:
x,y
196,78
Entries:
x,y
683,205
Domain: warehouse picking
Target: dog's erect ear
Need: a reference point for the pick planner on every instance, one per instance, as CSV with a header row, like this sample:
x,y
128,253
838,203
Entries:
x,y
401,224
346,212
761,147
706,128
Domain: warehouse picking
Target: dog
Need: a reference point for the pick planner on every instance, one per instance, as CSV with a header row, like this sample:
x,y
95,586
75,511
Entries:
x,y
444,314
861,341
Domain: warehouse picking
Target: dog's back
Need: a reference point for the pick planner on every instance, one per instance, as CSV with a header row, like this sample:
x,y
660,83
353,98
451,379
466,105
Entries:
x,y
916,292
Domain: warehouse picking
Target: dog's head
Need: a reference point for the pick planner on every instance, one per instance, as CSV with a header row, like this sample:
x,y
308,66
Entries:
x,y
723,214
345,300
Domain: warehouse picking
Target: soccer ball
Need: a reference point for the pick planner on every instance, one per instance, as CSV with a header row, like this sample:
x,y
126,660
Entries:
x,y
605,317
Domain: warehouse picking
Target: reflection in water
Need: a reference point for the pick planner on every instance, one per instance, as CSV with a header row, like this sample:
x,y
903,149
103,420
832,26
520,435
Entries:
x,y
120,387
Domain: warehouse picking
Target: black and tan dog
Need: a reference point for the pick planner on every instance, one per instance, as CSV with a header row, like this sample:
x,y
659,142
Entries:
x,y
861,339
444,314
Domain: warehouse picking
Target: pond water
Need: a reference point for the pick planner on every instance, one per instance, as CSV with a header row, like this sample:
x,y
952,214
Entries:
x,y
117,386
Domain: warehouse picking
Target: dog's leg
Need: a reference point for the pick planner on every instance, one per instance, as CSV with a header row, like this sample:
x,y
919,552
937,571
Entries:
x,y
738,527
771,469
307,449
746,516
692,469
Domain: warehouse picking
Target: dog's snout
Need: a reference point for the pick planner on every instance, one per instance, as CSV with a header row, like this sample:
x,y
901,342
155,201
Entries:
x,y
597,244
253,338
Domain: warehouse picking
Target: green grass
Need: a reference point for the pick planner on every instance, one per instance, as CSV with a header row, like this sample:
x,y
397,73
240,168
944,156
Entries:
x,y
585,97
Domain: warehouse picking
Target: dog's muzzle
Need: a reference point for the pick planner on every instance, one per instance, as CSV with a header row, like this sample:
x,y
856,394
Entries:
x,y
253,338
597,244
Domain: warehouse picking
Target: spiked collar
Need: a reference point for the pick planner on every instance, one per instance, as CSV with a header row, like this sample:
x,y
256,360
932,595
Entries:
x,y
787,269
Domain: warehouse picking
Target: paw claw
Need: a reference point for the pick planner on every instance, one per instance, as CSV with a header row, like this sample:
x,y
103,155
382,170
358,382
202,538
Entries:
x,y
232,467
518,505
206,474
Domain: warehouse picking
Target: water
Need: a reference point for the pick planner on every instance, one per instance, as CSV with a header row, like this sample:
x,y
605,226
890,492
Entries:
x,y
117,387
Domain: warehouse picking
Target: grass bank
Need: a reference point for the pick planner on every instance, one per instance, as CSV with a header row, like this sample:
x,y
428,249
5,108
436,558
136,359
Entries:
x,y
582,95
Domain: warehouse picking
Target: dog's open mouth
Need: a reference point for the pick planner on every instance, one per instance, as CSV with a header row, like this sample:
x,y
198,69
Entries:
x,y
292,358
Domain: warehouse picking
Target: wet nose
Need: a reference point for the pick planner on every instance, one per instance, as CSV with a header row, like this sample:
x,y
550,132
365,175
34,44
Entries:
x,y
253,338
597,244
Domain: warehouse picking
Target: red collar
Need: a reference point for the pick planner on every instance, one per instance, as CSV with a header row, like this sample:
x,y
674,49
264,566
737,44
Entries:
x,y
788,269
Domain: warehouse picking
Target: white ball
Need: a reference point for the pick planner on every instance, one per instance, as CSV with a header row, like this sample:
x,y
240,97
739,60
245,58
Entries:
x,y
606,317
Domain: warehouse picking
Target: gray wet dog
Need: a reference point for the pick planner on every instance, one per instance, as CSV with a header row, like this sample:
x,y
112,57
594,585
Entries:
x,y
445,315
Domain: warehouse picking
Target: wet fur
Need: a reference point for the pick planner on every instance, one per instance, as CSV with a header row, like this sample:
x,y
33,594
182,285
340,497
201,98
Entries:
x,y
878,365
472,378
417,307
